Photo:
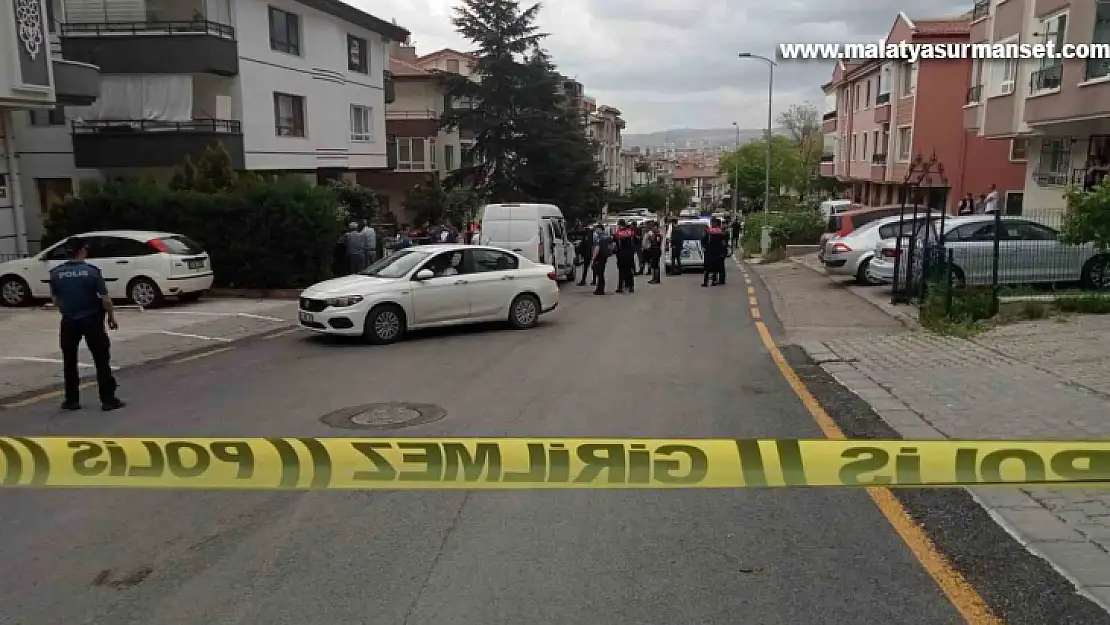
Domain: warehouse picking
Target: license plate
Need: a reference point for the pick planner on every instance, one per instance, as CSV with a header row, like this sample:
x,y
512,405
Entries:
x,y
195,264
307,318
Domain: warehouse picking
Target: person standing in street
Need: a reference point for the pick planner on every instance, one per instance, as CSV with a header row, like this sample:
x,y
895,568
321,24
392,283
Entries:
x,y
990,204
677,242
81,296
598,258
653,241
626,257
585,253
355,244
737,229
715,244
402,240
370,242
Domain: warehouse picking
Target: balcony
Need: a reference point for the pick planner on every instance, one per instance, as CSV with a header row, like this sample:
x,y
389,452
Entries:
x,y
882,98
878,166
980,10
974,95
882,114
411,122
389,87
76,84
828,123
147,47
146,143
828,165
1047,79
1096,68
972,115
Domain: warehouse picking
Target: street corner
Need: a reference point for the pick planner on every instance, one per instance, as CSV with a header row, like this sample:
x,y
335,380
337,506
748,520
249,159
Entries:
x,y
30,361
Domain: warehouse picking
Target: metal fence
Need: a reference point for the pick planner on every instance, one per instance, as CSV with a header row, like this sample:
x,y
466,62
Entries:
x,y
996,254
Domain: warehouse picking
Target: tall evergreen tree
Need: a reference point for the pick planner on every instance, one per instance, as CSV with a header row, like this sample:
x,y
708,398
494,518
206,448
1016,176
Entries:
x,y
529,143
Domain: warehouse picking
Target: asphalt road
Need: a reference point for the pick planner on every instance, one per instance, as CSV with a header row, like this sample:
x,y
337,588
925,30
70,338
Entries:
x,y
673,360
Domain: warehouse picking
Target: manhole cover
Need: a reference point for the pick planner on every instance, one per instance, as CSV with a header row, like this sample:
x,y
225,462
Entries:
x,y
387,416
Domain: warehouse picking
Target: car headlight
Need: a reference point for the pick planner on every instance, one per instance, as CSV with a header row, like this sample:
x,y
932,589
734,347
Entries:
x,y
343,302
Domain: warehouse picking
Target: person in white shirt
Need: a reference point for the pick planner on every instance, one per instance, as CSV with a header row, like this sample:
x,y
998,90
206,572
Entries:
x,y
990,206
370,240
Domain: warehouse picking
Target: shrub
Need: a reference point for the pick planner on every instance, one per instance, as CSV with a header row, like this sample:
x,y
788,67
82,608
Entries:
x,y
260,233
797,227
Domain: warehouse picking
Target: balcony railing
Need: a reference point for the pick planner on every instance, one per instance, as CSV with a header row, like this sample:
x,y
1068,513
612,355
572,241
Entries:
x,y
974,94
131,126
1096,68
980,10
411,114
1046,79
203,27
1050,178
827,116
878,159
882,98
828,158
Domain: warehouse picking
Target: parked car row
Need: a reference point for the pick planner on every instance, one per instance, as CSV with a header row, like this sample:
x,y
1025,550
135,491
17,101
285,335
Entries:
x,y
865,245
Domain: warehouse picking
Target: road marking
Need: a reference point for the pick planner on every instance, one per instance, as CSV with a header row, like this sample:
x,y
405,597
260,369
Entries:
x,y
196,336
962,595
282,333
45,396
56,361
751,290
755,313
753,301
264,318
211,352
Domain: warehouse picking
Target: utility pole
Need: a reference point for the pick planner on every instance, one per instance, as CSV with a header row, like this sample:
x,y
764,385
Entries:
x,y
770,98
736,173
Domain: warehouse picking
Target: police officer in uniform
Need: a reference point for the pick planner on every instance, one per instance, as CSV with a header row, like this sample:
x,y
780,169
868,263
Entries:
x,y
599,257
626,257
82,298
677,243
715,244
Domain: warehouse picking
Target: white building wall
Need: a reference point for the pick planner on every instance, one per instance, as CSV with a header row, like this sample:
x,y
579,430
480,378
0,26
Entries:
x,y
320,75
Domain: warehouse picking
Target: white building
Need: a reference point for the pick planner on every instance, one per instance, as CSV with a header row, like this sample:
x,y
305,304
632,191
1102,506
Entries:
x,y
605,127
286,85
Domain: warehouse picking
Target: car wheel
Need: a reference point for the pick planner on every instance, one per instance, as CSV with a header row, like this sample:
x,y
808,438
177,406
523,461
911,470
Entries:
x,y
14,292
525,311
861,274
145,293
1096,273
385,324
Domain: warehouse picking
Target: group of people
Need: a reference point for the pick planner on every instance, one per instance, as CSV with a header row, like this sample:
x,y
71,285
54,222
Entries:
x,y
361,246
987,204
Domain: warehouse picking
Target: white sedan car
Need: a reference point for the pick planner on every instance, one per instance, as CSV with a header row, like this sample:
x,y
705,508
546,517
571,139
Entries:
x,y
139,266
431,286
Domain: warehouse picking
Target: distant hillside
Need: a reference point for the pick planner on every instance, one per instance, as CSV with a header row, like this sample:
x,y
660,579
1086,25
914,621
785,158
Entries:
x,y
696,137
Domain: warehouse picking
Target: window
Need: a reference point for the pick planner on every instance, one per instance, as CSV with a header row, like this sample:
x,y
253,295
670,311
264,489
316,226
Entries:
x,y
416,154
855,147
1054,162
1100,68
357,55
876,147
864,153
856,98
52,191
289,115
1019,149
1003,73
1053,31
285,31
446,264
449,157
116,247
48,117
1014,201
490,260
976,232
867,95
57,252
1028,231
362,119
909,79
886,78
905,143
467,157
453,65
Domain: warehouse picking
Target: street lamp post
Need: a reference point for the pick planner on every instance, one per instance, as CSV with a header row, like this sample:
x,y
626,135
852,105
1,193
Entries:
x,y
736,172
770,98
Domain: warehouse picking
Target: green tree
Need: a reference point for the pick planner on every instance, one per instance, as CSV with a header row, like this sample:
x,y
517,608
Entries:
x,y
360,203
212,172
746,167
679,197
802,123
435,201
652,196
1088,216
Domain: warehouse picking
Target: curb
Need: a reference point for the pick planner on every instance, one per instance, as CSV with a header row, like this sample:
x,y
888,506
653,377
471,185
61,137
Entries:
x,y
906,321
154,362
282,294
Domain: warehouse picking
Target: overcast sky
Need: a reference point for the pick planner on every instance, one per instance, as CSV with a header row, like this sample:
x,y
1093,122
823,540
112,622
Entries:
x,y
673,63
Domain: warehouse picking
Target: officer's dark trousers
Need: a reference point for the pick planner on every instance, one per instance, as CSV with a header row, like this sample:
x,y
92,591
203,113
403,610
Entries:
x,y
714,270
599,275
626,269
91,329
676,258
654,256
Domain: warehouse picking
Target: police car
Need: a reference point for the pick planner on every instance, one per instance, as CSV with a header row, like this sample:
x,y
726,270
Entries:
x,y
139,266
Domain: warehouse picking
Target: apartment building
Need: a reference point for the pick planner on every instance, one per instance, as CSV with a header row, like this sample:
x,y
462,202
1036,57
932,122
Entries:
x,y
1053,113
36,85
708,186
605,126
882,115
296,86
418,150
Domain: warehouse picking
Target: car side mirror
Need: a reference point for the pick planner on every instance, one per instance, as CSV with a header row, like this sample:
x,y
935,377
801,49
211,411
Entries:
x,y
425,274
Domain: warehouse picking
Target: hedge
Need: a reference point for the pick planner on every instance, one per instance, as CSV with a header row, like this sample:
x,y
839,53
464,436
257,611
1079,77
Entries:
x,y
802,226
263,234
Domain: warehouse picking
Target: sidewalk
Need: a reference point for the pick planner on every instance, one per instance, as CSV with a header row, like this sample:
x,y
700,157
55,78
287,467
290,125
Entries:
x,y
30,359
1040,380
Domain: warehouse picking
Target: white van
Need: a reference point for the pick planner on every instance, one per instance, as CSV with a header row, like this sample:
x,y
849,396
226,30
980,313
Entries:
x,y
536,231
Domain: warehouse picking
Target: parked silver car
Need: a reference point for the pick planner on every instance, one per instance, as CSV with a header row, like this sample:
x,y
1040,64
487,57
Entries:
x,y
851,255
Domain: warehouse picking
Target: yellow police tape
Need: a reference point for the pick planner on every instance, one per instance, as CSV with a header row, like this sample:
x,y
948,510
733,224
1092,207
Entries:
x,y
518,463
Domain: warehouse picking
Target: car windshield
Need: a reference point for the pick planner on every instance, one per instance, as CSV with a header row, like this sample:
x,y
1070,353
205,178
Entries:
x,y
691,232
396,265
182,246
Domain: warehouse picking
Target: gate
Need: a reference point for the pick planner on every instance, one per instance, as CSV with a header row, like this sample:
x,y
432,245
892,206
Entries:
x,y
920,244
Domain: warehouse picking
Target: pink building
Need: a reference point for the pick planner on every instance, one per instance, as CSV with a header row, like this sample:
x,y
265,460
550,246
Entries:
x,y
884,114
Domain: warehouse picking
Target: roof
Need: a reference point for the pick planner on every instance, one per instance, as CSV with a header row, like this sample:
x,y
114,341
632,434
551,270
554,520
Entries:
x,y
942,27
687,171
397,67
446,52
348,13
